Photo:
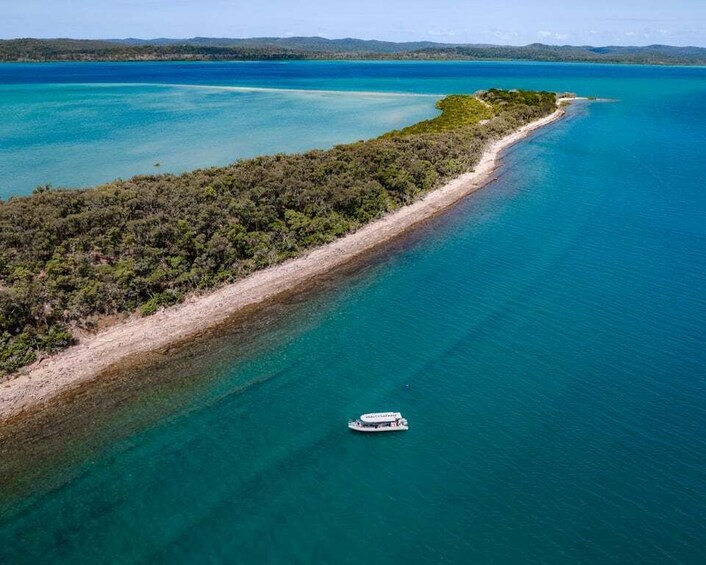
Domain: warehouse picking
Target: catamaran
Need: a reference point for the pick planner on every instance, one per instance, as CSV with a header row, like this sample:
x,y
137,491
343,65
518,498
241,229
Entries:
x,y
379,422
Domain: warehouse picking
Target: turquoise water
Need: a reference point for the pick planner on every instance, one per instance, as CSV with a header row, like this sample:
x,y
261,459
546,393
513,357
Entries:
x,y
546,340
75,135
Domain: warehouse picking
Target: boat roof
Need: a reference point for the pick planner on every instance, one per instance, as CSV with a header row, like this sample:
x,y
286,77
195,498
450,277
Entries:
x,y
380,417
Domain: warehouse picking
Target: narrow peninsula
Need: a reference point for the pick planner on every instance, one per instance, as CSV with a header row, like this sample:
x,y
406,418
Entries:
x,y
133,266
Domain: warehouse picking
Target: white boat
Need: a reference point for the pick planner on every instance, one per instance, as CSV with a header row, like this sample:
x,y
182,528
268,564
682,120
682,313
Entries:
x,y
379,422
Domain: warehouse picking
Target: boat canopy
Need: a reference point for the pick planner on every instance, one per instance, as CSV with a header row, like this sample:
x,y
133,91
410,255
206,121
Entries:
x,y
380,417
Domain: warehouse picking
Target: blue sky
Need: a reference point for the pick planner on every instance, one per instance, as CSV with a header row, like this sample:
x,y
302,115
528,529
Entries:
x,y
515,22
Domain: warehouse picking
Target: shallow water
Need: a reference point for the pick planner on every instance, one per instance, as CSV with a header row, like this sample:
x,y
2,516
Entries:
x,y
75,135
545,340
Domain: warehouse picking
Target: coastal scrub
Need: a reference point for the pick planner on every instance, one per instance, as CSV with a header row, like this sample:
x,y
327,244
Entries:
x,y
70,258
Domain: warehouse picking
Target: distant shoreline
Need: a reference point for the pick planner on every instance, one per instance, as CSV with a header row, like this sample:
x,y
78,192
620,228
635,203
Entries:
x,y
86,361
279,49
357,59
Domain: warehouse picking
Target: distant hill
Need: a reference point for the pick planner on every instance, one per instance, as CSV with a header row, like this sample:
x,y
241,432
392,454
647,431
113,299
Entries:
x,y
309,44
37,50
274,48
650,54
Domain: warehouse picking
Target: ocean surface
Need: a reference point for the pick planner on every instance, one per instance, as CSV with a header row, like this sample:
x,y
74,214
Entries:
x,y
546,338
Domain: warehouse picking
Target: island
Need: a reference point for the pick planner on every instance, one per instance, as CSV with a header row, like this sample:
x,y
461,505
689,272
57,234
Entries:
x,y
132,266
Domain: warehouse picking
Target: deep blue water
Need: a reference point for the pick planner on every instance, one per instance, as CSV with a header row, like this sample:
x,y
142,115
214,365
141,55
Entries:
x,y
546,340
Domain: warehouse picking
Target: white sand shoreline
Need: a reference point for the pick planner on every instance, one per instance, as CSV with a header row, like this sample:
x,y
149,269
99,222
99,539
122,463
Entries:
x,y
44,380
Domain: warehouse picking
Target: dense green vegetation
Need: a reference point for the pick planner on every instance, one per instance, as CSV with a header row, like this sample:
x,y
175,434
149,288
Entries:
x,y
456,111
266,48
647,55
70,257
88,50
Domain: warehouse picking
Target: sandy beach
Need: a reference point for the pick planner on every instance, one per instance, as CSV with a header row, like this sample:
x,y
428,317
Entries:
x,y
137,336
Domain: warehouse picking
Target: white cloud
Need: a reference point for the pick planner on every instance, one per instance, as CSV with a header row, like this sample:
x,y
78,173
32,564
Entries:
x,y
504,35
442,33
552,35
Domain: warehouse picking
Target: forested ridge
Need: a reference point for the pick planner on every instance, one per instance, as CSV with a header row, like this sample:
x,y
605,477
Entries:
x,y
284,48
70,257
38,50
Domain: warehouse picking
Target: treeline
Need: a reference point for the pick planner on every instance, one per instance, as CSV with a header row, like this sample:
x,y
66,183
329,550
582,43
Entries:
x,y
70,257
283,48
648,55
37,50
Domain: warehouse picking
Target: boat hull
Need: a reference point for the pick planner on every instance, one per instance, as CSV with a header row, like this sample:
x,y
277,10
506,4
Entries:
x,y
373,429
